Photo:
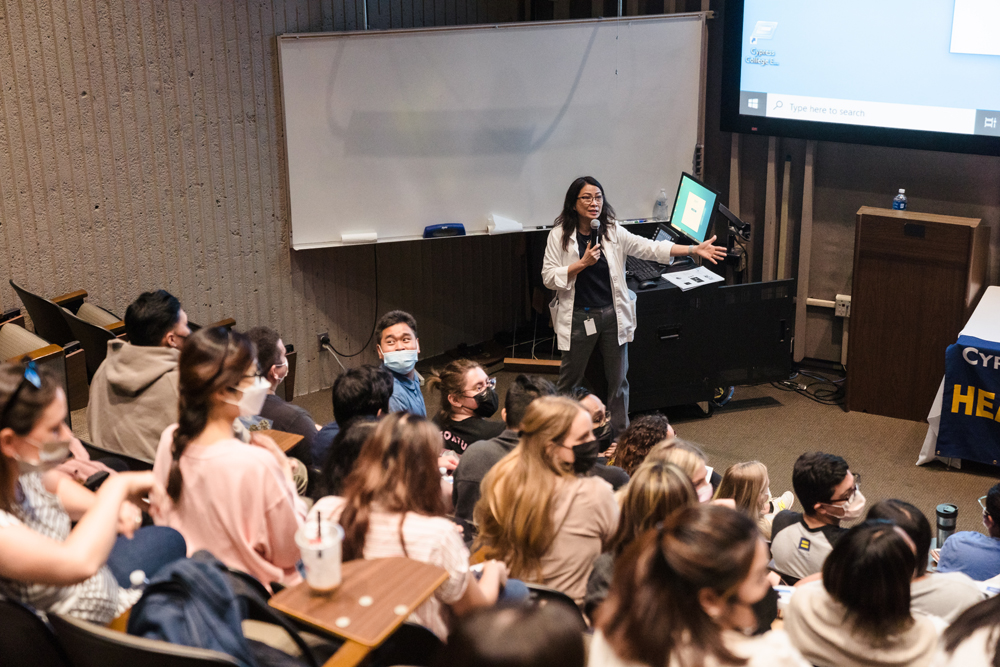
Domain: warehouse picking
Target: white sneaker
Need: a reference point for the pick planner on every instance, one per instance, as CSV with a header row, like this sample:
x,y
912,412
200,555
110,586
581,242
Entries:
x,y
783,502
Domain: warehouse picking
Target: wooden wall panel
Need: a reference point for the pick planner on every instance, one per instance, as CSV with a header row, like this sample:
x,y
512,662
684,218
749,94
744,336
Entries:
x,y
141,147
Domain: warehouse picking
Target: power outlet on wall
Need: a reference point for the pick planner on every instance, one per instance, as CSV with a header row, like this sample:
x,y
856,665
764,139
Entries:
x,y
324,340
843,305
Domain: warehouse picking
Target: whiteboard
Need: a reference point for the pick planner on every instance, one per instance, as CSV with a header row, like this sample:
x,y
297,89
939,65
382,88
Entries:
x,y
388,132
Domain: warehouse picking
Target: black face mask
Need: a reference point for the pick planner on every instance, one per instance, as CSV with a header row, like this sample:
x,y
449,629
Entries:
x,y
603,436
487,403
585,456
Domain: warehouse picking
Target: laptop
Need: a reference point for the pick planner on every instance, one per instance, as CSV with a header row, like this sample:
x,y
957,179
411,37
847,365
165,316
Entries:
x,y
689,224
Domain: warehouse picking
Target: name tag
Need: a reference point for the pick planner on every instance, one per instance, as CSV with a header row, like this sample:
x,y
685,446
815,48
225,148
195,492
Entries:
x,y
589,326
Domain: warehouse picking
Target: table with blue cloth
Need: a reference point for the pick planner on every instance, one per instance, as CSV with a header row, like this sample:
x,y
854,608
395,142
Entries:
x,y
965,418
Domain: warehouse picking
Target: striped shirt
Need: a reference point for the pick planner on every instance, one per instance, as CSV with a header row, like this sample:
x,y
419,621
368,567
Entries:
x,y
97,599
429,539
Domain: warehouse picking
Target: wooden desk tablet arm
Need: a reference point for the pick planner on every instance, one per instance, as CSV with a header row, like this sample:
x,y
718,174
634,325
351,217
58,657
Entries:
x,y
71,301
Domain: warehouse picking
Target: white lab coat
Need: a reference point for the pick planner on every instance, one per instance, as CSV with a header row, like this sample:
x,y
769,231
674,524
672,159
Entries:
x,y
619,244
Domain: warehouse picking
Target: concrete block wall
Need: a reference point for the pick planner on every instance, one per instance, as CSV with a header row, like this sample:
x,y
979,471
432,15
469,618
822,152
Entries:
x,y
141,147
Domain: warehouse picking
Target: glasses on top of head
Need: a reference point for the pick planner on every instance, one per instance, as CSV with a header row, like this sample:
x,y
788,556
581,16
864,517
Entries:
x,y
587,199
31,377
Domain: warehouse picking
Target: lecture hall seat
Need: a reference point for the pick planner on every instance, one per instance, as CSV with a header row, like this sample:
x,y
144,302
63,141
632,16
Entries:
x,y
25,639
92,645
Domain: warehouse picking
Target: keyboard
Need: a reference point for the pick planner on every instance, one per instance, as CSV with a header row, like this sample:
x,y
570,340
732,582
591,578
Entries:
x,y
642,269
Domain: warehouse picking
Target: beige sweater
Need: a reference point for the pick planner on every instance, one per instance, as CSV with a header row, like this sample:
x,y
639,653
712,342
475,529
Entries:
x,y
815,623
133,398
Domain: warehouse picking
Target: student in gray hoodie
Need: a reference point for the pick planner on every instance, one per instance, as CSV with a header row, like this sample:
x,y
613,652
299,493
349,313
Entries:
x,y
133,394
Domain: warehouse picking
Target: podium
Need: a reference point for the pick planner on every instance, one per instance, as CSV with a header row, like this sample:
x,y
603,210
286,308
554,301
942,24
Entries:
x,y
917,278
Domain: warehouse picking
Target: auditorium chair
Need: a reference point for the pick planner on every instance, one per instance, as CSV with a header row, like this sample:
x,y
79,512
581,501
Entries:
x,y
69,367
47,314
543,595
92,645
92,337
25,639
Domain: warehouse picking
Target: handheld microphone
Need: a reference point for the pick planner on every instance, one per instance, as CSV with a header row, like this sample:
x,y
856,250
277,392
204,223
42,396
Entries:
x,y
595,225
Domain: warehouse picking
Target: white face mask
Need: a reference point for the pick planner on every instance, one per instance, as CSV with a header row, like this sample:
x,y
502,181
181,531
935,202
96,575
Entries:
x,y
279,376
705,492
50,454
852,509
253,398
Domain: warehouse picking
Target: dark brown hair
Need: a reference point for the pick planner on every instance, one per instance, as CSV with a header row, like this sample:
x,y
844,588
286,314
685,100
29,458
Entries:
x,y
265,341
640,436
877,554
20,417
569,219
515,636
211,360
397,470
912,521
653,610
451,382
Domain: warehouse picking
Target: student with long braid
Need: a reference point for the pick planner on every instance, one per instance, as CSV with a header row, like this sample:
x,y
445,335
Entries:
x,y
234,499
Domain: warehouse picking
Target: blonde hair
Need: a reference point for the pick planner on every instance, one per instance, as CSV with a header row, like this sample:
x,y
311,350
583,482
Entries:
x,y
514,512
685,455
744,483
656,491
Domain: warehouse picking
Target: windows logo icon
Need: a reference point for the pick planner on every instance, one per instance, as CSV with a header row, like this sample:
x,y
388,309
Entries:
x,y
753,103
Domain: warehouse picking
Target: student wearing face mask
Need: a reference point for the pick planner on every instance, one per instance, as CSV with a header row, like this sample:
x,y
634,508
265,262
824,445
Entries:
x,y
398,348
133,394
548,469
468,400
284,416
829,493
689,458
234,499
82,571
972,552
684,595
584,264
602,431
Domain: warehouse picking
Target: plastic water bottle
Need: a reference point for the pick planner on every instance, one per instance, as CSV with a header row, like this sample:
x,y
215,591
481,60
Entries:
x,y
138,579
660,207
899,203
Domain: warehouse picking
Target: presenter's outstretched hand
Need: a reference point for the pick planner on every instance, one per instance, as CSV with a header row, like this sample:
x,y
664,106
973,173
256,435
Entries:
x,y
713,253
591,256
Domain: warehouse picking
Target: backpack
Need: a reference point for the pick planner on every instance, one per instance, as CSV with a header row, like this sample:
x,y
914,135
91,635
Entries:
x,y
197,602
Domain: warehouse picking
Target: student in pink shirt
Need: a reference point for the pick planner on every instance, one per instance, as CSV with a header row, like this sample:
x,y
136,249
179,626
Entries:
x,y
233,499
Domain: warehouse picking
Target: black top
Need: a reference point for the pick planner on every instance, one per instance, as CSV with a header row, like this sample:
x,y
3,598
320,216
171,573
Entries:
x,y
613,475
477,460
458,435
593,284
291,419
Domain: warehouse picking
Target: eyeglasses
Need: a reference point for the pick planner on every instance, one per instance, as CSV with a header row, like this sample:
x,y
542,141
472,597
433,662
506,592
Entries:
x,y
854,491
31,377
589,199
982,503
491,383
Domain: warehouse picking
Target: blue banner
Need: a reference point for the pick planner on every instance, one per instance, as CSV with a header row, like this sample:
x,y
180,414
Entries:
x,y
970,411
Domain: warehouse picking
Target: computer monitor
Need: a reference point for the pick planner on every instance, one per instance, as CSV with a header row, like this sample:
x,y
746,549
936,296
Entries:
x,y
693,208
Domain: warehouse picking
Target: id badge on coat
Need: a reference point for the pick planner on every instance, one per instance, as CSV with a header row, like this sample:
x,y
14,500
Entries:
x,y
589,326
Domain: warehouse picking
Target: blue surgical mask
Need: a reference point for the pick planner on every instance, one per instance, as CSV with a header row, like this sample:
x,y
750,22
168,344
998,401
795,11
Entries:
x,y
400,361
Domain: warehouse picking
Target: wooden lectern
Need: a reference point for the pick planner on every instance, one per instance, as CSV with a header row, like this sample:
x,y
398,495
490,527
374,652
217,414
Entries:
x,y
917,278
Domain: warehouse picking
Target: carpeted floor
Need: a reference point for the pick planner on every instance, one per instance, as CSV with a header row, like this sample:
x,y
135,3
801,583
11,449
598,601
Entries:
x,y
775,427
